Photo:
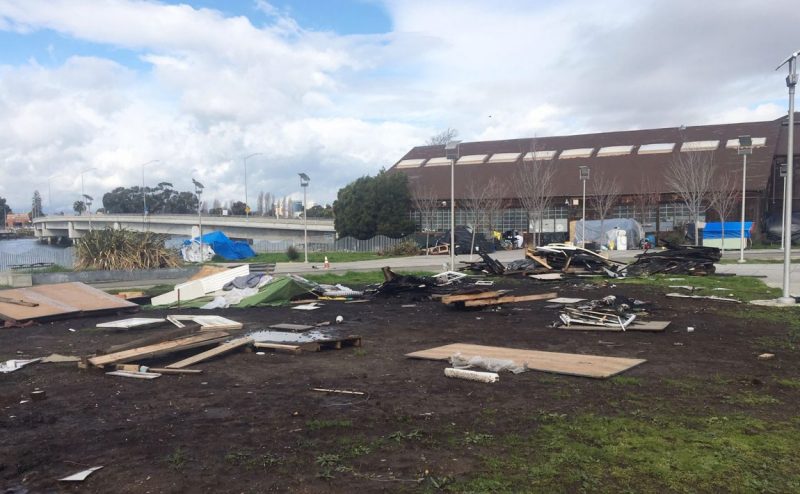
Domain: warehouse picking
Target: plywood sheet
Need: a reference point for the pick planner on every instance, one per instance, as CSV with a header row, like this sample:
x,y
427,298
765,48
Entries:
x,y
60,299
206,322
654,326
186,291
594,366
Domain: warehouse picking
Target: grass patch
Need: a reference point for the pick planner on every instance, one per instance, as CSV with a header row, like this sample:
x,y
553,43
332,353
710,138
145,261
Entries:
x,y
251,460
789,382
358,277
177,459
316,257
740,287
751,398
633,454
319,424
625,381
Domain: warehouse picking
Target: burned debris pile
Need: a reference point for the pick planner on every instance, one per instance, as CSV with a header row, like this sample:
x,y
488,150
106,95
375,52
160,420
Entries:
x,y
676,259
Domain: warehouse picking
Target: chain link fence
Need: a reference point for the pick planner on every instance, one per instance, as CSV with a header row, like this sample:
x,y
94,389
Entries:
x,y
346,244
37,258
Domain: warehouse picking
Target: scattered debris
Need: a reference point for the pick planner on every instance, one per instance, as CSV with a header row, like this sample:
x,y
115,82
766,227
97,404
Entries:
x,y
222,348
594,366
291,327
490,364
676,259
766,356
338,391
471,375
448,277
38,394
206,322
481,299
15,365
80,476
134,322
58,358
197,288
136,375
566,300
154,350
311,341
311,306
705,297
395,284
609,312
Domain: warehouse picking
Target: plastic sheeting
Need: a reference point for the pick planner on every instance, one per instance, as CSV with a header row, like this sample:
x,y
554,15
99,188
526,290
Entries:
x,y
190,251
224,247
733,229
633,231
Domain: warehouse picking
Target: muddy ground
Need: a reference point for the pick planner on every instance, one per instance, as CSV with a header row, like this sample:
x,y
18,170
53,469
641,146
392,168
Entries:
x,y
250,423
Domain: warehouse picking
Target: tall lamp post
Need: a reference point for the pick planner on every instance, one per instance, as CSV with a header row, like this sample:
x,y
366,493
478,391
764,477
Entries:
x,y
246,203
745,148
791,82
451,153
304,180
198,191
584,176
144,195
782,168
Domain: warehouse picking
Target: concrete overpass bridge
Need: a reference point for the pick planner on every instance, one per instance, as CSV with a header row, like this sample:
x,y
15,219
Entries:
x,y
52,228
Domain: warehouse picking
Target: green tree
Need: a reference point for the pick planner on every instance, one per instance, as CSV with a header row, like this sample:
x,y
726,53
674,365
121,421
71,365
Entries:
x,y
161,199
372,206
317,211
4,210
238,208
36,205
79,207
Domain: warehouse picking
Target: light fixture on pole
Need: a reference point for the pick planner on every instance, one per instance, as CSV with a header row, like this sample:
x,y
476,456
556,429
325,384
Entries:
x,y
144,195
247,204
584,176
791,82
745,148
198,191
451,153
304,180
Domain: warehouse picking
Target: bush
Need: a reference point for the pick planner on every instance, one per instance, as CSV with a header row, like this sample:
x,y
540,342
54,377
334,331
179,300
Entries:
x,y
404,248
123,249
292,253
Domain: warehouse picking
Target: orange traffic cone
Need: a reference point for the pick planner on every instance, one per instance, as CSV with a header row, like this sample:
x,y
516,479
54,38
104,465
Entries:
x,y
327,265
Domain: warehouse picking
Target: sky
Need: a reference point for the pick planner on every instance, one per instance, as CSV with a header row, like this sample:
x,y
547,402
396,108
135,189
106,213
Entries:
x,y
90,90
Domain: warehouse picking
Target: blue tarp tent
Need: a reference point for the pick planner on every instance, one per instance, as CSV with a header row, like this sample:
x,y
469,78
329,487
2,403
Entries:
x,y
225,247
733,229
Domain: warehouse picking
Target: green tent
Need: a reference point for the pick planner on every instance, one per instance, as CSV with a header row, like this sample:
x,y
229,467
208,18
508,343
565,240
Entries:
x,y
279,292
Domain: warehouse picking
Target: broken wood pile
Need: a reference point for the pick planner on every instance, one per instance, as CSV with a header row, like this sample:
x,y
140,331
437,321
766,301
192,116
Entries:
x,y
396,284
676,259
570,259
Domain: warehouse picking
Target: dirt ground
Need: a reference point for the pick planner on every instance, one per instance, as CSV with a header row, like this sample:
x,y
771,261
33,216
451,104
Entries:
x,y
250,422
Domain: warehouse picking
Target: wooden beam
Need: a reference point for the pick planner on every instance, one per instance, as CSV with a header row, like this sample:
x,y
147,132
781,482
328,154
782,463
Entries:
x,y
509,299
223,348
449,299
164,370
157,349
278,347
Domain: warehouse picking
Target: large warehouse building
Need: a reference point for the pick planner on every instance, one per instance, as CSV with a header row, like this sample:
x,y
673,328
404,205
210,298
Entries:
x,y
636,160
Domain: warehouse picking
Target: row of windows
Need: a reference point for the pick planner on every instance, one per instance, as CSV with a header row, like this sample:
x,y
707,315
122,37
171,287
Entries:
x,y
554,219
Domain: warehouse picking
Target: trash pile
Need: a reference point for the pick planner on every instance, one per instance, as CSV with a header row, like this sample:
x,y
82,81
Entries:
x,y
676,259
610,312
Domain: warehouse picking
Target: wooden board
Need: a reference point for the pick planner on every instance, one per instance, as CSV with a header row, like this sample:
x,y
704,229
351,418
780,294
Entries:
x,y
572,364
58,300
449,299
135,375
509,299
157,349
183,292
206,322
653,326
565,300
279,347
223,348
133,322
291,327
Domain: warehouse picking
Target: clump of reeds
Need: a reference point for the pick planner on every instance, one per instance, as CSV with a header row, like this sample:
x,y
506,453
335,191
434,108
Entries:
x,y
123,249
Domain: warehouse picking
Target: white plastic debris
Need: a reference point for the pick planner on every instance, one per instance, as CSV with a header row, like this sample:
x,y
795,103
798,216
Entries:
x,y
13,365
470,375
80,476
339,319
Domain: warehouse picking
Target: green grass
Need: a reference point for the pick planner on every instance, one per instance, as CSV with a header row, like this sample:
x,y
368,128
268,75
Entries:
x,y
177,459
755,260
789,382
650,455
625,381
744,288
751,398
318,424
316,257
358,277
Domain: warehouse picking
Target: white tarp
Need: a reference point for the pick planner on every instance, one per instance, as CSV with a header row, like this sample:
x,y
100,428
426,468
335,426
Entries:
x,y
633,231
191,252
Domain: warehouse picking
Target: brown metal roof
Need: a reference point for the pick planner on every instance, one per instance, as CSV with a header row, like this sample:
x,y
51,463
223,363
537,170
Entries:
x,y
628,170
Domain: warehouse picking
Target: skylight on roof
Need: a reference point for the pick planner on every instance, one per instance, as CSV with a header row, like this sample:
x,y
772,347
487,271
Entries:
x,y
615,150
472,159
504,158
540,155
438,161
758,142
699,146
658,148
410,163
575,153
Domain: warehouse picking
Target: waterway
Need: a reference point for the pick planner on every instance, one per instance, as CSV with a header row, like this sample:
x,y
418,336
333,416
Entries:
x,y
30,251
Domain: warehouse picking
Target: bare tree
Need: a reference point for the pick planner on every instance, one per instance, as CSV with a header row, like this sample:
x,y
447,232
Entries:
x,y
722,198
690,175
426,203
481,201
442,137
645,200
605,192
533,184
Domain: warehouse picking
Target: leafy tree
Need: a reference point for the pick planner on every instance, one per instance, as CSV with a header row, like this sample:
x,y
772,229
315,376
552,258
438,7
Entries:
x,y
36,205
317,211
372,206
4,210
238,208
79,207
161,199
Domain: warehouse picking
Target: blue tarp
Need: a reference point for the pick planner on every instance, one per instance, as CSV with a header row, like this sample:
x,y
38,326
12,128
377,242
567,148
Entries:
x,y
225,247
733,229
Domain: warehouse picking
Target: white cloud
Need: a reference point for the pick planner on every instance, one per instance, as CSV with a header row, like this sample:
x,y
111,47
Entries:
x,y
210,88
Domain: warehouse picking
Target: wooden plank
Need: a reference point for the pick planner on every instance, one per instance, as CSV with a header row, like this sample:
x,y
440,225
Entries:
x,y
133,322
157,349
135,375
509,299
223,348
206,322
279,347
634,326
162,370
449,299
594,366
291,327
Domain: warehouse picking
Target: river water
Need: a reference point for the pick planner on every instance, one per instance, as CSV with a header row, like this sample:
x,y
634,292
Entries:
x,y
30,251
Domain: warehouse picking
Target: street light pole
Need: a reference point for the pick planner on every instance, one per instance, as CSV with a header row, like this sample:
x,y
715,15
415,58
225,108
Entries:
x,y
584,176
198,190
451,153
791,82
783,208
304,180
745,148
247,204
